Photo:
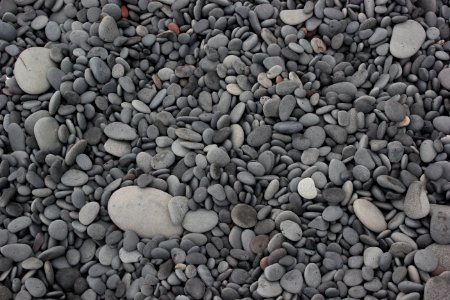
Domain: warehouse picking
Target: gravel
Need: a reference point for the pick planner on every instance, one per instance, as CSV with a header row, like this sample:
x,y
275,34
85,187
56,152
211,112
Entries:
x,y
224,149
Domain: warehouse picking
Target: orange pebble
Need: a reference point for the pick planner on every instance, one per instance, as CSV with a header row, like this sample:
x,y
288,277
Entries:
x,y
264,262
174,27
278,79
124,11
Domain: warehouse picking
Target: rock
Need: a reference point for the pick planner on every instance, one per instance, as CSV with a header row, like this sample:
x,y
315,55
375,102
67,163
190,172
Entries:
x,y
294,16
406,39
58,230
372,257
312,275
440,226
442,123
117,148
88,213
426,260
7,31
291,230
200,220
148,208
427,151
268,289
74,177
35,287
108,30
244,216
16,252
438,287
100,70
178,207
292,281
30,70
66,278
259,136
416,204
46,134
120,131
442,252
218,156
369,215
444,78
307,189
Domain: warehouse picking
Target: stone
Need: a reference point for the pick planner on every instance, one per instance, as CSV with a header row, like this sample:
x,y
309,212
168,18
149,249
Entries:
x,y
35,287
268,289
438,287
291,230
74,177
88,213
46,134
58,230
416,204
294,16
30,70
7,31
292,281
307,189
100,70
426,260
200,220
16,252
406,39
117,148
108,30
372,256
120,131
440,226
149,208
178,207
444,78
442,123
312,275
244,216
369,215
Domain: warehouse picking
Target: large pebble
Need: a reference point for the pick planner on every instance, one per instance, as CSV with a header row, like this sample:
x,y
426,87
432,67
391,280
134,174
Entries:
x,y
416,204
200,220
406,39
31,69
244,216
294,16
143,210
46,133
438,287
369,215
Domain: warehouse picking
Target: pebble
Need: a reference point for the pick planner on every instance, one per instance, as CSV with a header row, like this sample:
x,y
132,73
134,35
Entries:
x,y
178,207
291,230
437,287
312,276
294,16
292,281
268,289
425,260
369,215
307,189
16,252
209,220
416,204
120,131
244,216
35,287
406,39
7,31
149,208
108,30
31,68
58,230
88,213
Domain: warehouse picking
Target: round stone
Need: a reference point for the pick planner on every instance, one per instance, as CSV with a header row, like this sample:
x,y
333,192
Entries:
x,y
307,189
178,207
416,204
58,230
425,260
369,215
108,30
406,39
268,289
244,216
30,70
35,287
120,131
148,208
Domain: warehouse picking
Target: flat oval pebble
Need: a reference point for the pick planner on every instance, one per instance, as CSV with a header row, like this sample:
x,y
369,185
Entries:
x,y
74,177
416,205
307,189
120,131
369,215
244,216
30,70
149,208
200,220
406,39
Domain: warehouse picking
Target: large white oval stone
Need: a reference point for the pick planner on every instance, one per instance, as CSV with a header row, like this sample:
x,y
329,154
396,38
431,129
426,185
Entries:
x,y
143,210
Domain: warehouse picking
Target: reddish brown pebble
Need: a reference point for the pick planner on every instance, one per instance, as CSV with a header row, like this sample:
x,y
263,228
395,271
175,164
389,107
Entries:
x,y
38,241
278,79
259,243
156,81
174,27
264,262
124,11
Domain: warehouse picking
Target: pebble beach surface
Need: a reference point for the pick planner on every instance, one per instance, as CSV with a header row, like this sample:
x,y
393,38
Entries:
x,y
218,149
